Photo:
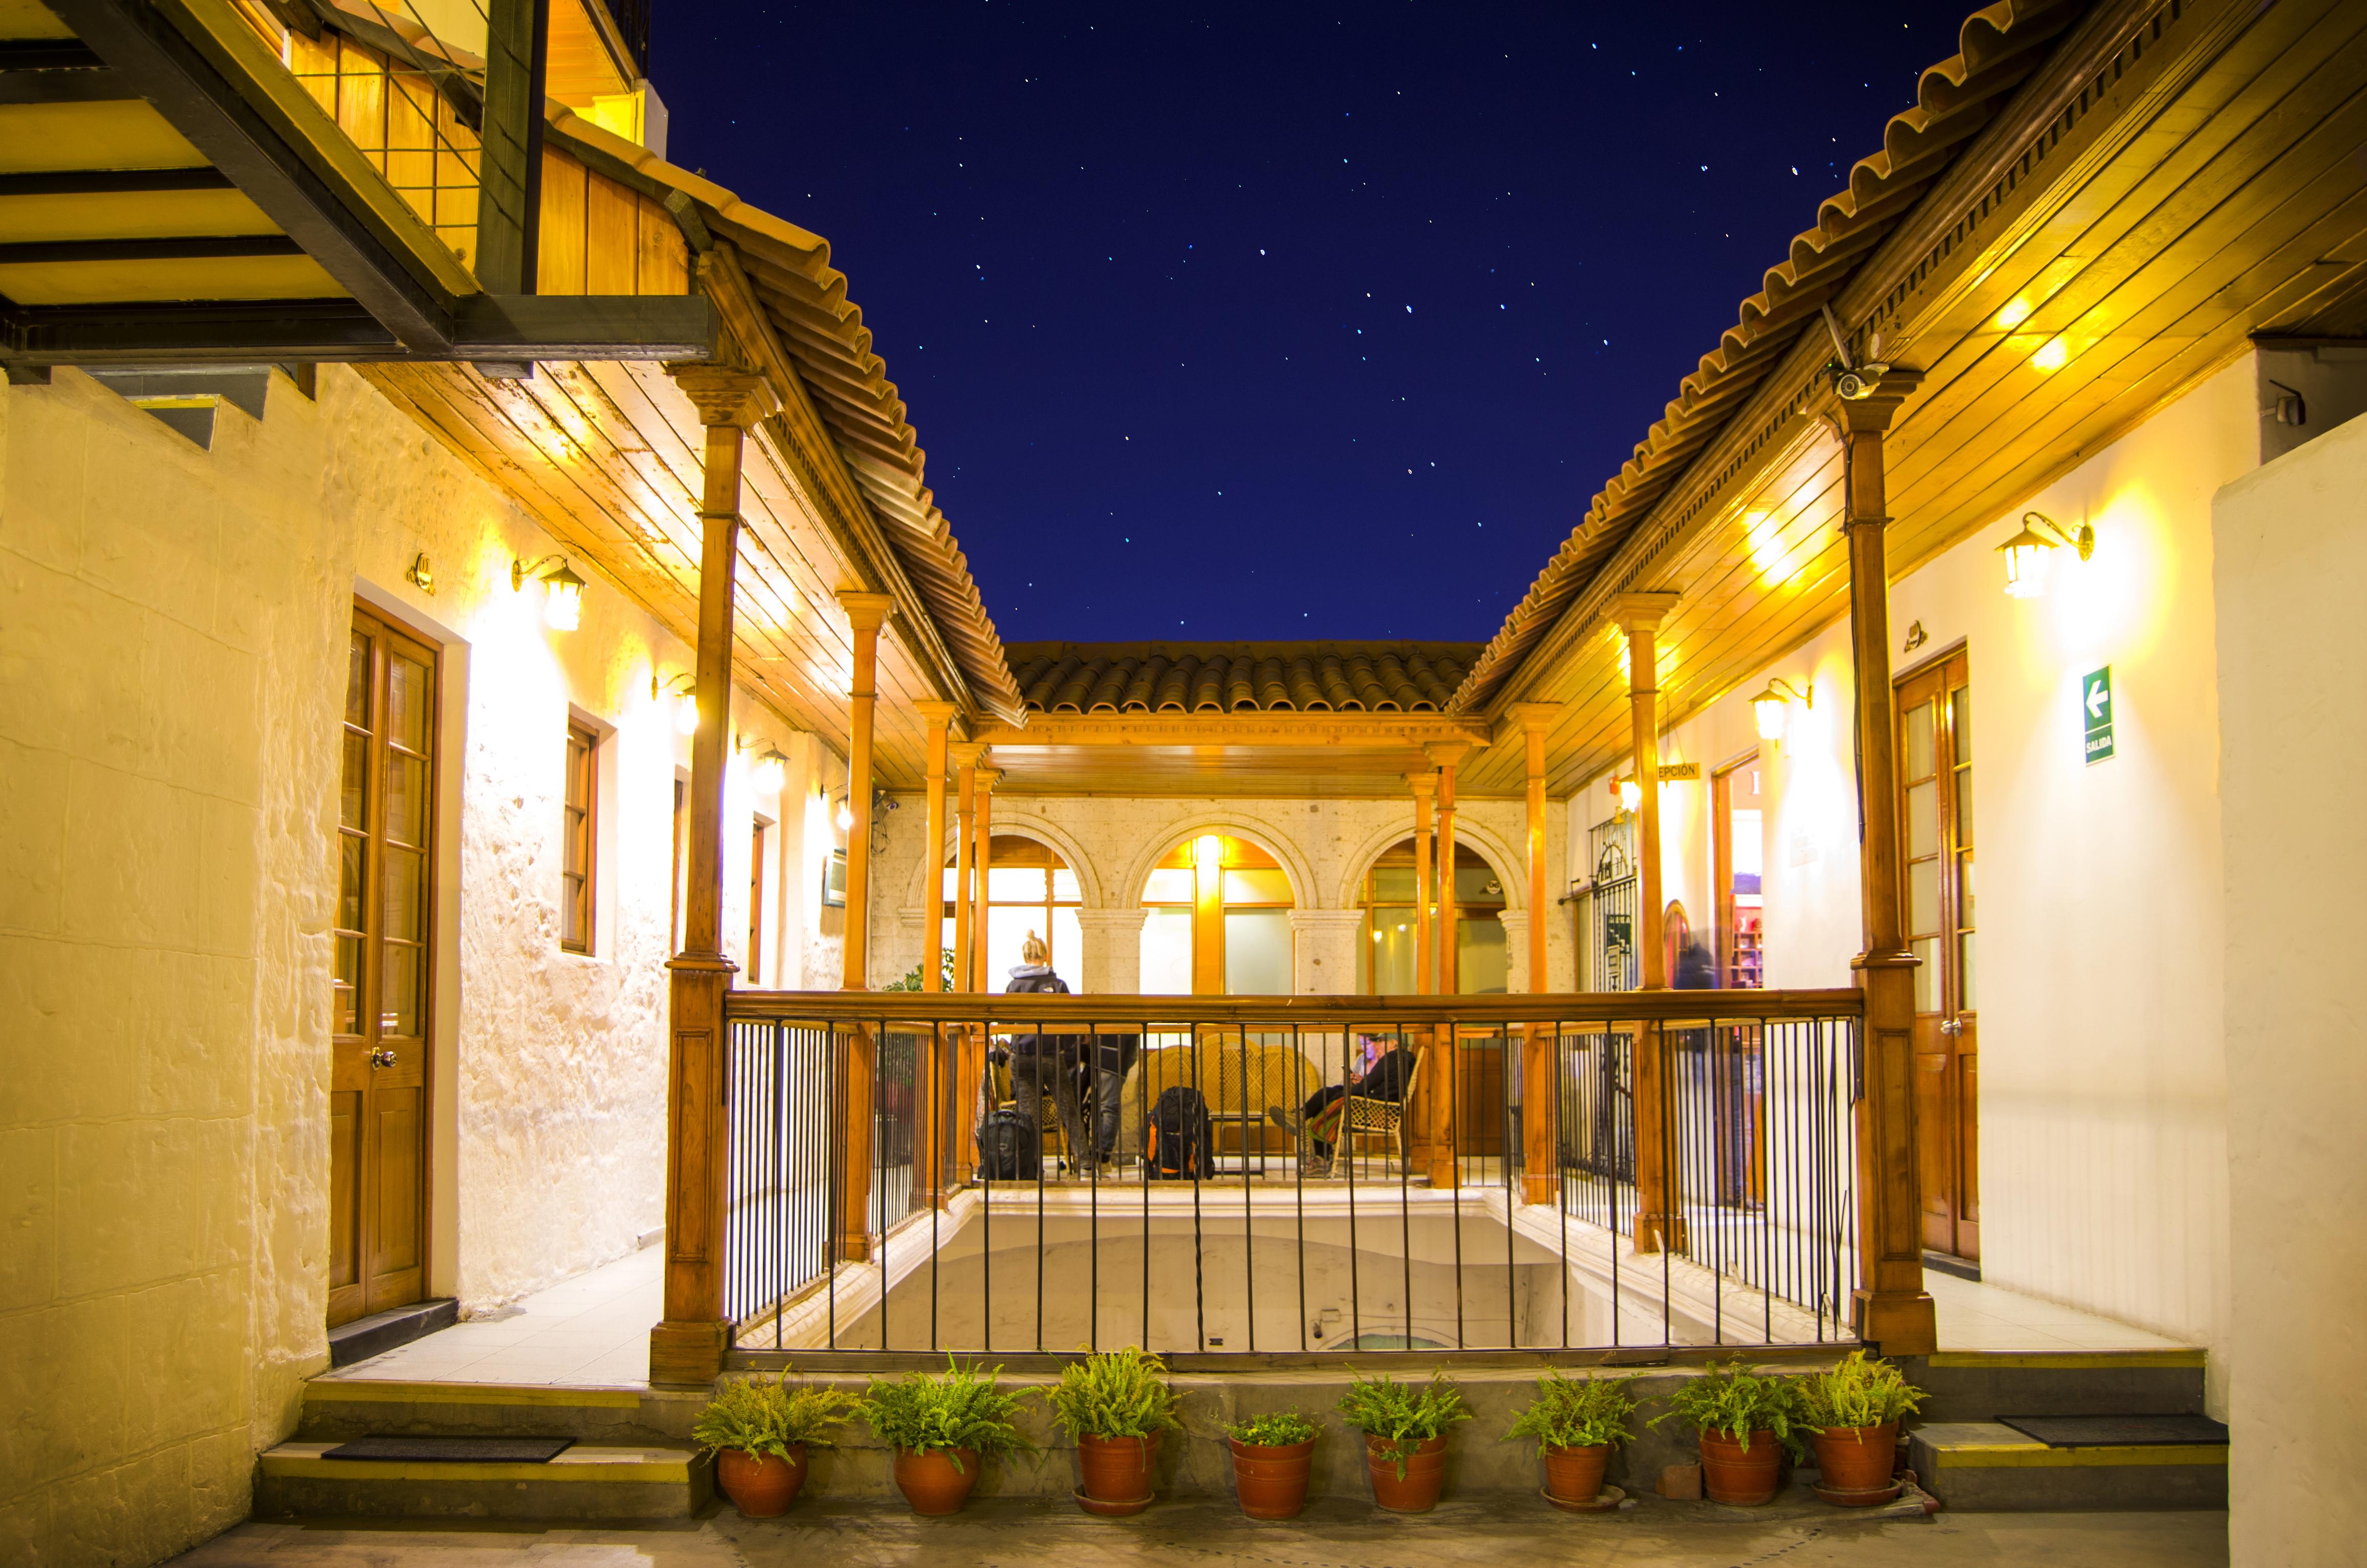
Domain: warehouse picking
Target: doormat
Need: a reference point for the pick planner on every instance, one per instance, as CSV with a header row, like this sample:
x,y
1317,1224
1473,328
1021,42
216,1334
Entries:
x,y
454,1450
2116,1431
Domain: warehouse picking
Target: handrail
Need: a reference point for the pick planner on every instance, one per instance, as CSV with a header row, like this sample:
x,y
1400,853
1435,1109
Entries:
x,y
1365,1012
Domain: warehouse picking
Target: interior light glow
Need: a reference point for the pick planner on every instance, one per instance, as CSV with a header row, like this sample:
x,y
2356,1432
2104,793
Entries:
x,y
1773,706
2052,356
771,772
562,590
845,817
1209,854
2017,310
686,711
1631,795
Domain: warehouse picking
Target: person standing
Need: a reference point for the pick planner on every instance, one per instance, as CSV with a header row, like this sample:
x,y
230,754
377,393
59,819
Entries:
x,y
1042,1062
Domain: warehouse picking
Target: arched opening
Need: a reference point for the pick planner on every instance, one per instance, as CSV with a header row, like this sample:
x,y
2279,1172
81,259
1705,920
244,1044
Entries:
x,y
1028,888
1386,955
1216,921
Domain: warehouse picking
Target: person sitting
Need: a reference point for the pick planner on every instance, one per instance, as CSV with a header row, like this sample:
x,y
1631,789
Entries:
x,y
1047,1063
1317,1121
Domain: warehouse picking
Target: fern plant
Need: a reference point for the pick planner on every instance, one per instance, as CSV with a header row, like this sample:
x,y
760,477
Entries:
x,y
1735,1403
1119,1394
1577,1412
1282,1429
1403,1416
960,1407
1857,1392
760,1417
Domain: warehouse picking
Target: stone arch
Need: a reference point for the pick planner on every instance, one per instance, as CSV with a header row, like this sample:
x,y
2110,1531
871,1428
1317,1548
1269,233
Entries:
x,y
1510,867
1304,891
1016,824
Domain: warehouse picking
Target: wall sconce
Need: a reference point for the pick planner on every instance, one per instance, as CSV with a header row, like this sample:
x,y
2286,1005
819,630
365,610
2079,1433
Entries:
x,y
2028,555
422,573
1773,706
562,603
844,816
1630,796
684,689
771,771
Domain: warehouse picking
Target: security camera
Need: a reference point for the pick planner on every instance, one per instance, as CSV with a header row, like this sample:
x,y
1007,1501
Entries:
x,y
1860,382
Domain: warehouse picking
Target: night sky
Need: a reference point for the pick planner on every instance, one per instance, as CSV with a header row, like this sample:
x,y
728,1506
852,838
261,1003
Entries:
x,y
1284,321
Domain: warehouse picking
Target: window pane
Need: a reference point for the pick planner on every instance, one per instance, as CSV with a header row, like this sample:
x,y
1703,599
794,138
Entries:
x,y
349,974
1257,952
1478,884
402,870
1251,886
1965,890
1927,975
358,681
1068,948
406,799
353,805
1015,884
1923,819
1006,929
953,887
1169,885
349,889
1966,972
1961,714
1916,757
1167,952
1923,896
1390,934
1480,958
1393,884
1963,807
400,999
406,702
1064,886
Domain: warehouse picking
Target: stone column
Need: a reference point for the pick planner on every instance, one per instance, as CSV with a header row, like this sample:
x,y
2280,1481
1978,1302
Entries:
x,y
1517,958
687,1346
1658,1217
1111,964
1890,1307
1325,941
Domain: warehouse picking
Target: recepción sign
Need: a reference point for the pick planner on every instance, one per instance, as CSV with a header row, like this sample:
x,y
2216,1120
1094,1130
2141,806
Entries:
x,y
2096,714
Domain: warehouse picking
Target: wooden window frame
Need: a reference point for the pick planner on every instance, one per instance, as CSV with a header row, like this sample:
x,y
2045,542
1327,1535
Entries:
x,y
580,830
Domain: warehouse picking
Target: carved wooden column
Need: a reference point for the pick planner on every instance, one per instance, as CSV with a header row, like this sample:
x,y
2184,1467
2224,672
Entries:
x,y
1425,789
1658,1214
965,757
687,1346
933,1088
1443,1091
981,856
1890,1306
1540,1094
858,1048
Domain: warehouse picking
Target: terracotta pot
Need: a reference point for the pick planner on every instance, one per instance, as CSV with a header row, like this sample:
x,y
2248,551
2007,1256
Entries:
x,y
762,1486
1857,1459
932,1483
1732,1475
1118,1470
1273,1477
1425,1474
1575,1474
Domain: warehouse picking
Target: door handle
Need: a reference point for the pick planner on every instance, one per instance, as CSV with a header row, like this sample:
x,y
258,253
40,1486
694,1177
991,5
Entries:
x,y
1951,1025
383,1056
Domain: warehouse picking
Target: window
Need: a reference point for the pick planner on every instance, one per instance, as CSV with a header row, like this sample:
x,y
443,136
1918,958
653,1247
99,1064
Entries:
x,y
1391,961
757,902
681,849
1218,922
1028,888
579,825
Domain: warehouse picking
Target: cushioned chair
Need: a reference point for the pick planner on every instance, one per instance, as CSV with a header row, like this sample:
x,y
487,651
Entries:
x,y
1238,1080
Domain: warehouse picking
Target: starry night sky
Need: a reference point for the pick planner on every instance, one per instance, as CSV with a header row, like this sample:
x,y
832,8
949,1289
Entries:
x,y
1284,321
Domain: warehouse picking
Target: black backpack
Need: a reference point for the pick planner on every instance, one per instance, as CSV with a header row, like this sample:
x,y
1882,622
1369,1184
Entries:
x,y
1009,1143
1179,1137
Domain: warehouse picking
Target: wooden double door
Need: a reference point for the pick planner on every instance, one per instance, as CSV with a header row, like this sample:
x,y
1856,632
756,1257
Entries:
x,y
1935,784
384,981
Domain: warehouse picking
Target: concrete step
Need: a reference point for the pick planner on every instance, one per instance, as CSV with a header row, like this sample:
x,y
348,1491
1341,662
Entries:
x,y
1985,1467
380,1332
588,1481
1984,1385
338,1409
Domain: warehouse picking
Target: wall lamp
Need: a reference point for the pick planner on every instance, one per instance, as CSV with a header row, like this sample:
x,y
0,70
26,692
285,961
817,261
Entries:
x,y
683,690
1773,706
770,770
2028,555
562,590
1630,796
844,816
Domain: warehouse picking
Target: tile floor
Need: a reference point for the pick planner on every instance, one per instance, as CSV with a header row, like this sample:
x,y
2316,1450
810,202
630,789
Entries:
x,y
1976,1315
590,1330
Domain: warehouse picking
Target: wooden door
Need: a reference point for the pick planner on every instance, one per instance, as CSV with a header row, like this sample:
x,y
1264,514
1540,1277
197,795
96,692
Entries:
x,y
1935,766
377,1099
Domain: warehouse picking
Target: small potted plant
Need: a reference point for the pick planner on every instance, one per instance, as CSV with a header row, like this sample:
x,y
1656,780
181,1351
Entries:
x,y
1853,1413
1114,1406
1576,1421
759,1433
941,1425
1405,1437
1746,1423
1273,1457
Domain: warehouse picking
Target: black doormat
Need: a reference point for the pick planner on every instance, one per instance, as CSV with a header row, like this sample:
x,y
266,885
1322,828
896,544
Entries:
x,y
2116,1431
454,1450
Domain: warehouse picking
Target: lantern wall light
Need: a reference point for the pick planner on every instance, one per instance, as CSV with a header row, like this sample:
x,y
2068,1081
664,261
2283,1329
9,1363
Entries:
x,y
770,771
2030,554
683,691
562,590
1773,706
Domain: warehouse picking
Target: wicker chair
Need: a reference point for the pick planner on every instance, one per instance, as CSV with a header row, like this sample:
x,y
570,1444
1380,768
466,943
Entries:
x,y
1367,1119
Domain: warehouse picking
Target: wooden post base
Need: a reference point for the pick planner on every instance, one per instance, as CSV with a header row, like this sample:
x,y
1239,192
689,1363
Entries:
x,y
687,1353
1540,1188
1900,1322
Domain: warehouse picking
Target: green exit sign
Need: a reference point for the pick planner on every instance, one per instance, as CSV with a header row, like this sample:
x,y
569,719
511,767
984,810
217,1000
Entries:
x,y
2096,714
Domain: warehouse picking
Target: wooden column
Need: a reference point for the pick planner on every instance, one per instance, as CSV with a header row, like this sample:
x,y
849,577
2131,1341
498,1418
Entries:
x,y
981,856
509,198
1658,1220
934,1090
970,1054
1444,1070
858,1048
1425,789
1540,1095
687,1346
1890,1306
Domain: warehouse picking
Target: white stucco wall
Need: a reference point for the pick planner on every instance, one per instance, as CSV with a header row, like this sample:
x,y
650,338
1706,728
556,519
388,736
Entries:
x,y
2290,567
172,625
2102,1085
1324,846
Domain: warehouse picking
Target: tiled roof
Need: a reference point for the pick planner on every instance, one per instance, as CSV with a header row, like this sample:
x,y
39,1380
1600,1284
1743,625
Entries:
x,y
1998,46
1227,678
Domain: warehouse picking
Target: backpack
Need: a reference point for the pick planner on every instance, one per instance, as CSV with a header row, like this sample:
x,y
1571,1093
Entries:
x,y
1009,1144
1179,1137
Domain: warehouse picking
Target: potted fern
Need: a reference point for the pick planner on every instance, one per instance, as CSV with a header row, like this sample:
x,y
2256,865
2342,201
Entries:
x,y
1576,1422
1853,1413
1746,1424
759,1433
941,1425
1274,1459
1114,1406
1405,1437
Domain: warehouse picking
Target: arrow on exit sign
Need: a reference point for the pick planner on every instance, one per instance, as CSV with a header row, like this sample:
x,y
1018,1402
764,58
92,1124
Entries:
x,y
2096,714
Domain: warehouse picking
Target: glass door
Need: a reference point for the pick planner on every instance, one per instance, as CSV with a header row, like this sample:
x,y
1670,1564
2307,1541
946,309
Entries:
x,y
1935,769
